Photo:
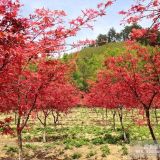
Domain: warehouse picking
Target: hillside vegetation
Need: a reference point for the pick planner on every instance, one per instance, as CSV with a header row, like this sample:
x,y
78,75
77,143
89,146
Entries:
x,y
90,60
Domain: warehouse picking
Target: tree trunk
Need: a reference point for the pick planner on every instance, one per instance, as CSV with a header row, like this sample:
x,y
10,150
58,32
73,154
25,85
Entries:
x,y
19,134
44,129
150,126
106,115
156,117
114,121
102,113
122,126
152,132
132,112
15,118
44,124
55,118
44,134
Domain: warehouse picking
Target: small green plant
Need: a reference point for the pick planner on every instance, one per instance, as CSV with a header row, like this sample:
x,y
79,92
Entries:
x,y
50,130
111,139
91,154
11,149
105,150
76,155
27,137
124,150
30,146
49,146
61,152
98,140
76,142
67,146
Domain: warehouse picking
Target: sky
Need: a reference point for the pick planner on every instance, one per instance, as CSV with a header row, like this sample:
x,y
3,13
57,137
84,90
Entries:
x,y
73,9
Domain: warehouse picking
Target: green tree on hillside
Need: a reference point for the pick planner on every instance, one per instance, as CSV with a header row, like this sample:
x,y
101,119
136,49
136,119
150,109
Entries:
x,y
127,30
101,39
111,35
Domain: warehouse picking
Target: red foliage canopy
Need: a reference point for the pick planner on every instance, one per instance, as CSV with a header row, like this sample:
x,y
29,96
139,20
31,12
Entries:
x,y
26,44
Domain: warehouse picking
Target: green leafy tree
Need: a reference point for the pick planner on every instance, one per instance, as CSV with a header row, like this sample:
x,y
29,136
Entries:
x,y
111,35
101,39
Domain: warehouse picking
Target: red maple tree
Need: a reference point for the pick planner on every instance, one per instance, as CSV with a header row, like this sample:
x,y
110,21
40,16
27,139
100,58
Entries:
x,y
144,10
26,47
55,98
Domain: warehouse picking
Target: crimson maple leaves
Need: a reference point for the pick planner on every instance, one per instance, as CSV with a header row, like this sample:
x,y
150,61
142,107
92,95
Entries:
x,y
32,79
130,80
141,11
30,76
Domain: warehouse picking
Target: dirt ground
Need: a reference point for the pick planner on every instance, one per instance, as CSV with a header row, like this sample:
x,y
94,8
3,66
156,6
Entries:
x,y
79,135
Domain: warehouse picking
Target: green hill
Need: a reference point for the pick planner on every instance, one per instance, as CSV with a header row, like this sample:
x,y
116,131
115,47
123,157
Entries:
x,y
90,60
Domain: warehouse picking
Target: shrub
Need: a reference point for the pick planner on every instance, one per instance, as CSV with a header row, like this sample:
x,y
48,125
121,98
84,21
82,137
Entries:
x,y
98,140
105,150
76,155
124,150
11,149
27,138
90,154
31,146
76,142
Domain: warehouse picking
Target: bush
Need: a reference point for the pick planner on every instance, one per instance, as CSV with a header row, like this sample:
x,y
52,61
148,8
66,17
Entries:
x,y
98,140
11,149
76,142
76,156
30,146
111,139
108,138
105,150
91,154
67,146
124,150
27,138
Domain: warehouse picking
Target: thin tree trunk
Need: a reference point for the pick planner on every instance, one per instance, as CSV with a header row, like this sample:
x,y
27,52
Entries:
x,y
114,121
55,118
20,146
132,112
122,126
152,132
156,117
19,136
15,118
44,133
106,115
150,126
102,113
44,123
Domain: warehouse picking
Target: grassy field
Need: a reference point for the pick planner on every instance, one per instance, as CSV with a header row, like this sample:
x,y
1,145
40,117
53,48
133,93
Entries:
x,y
85,134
